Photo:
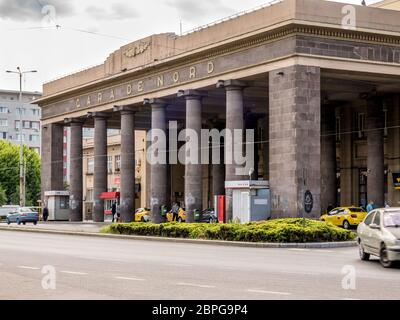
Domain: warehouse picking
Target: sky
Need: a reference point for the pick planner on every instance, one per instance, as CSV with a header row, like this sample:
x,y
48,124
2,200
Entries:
x,y
90,30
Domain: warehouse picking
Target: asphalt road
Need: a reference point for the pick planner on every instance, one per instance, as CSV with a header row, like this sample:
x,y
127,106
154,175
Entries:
x,y
96,268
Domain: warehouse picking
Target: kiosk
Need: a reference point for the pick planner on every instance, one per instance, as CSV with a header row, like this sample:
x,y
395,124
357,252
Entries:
x,y
250,200
58,204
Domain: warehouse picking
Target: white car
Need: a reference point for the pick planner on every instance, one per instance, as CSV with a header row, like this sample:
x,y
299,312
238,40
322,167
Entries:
x,y
379,235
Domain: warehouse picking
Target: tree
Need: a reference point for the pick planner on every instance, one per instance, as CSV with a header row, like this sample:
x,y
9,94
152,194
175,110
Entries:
x,y
3,196
9,173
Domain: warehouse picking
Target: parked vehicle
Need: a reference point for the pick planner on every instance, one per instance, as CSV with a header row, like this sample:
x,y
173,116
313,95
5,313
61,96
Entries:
x,y
22,215
142,215
379,235
5,210
345,217
207,215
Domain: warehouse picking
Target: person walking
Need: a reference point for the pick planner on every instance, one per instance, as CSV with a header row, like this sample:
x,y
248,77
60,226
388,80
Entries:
x,y
114,211
175,212
45,213
370,206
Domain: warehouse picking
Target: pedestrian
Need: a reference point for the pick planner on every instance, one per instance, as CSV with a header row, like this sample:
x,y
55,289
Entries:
x,y
114,211
45,213
175,211
370,206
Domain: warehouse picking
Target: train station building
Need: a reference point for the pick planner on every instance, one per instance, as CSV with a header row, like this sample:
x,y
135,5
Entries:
x,y
317,81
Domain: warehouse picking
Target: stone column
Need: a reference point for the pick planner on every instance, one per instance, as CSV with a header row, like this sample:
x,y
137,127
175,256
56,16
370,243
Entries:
x,y
328,158
375,162
127,194
393,144
346,155
159,168
295,143
234,121
76,171
265,141
218,170
52,159
100,174
193,171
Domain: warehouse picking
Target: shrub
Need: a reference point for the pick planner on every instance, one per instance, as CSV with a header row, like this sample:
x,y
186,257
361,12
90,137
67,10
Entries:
x,y
280,230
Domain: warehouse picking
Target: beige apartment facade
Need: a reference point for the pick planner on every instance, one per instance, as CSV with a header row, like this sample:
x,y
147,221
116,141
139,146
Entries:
x,y
322,97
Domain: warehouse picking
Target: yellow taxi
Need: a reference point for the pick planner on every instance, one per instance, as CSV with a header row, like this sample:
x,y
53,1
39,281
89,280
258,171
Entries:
x,y
142,215
345,217
181,215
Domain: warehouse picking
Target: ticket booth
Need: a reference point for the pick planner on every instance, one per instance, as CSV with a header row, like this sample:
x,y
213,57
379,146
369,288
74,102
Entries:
x,y
109,198
57,203
250,200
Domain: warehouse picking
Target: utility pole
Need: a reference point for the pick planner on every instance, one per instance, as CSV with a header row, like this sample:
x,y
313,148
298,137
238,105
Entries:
x,y
21,162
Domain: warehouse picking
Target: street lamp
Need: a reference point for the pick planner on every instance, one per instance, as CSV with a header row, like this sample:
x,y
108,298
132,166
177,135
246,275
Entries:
x,y
21,165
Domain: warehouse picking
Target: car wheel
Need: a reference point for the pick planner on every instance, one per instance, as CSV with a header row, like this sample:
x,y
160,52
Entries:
x,y
18,222
363,255
8,221
383,257
24,223
346,225
142,219
34,223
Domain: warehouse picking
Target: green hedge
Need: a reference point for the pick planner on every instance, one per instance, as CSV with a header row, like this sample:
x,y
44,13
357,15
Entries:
x,y
280,230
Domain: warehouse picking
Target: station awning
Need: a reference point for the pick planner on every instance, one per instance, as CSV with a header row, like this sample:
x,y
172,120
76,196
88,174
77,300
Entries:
x,y
109,195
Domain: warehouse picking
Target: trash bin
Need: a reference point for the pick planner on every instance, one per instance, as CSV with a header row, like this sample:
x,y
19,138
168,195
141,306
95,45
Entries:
x,y
164,211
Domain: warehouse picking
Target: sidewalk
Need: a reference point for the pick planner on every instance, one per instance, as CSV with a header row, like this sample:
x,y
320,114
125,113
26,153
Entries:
x,y
92,229
85,227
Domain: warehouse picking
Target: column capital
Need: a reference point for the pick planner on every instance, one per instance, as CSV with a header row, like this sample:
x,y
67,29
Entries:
x,y
100,115
232,84
191,94
155,102
125,109
74,121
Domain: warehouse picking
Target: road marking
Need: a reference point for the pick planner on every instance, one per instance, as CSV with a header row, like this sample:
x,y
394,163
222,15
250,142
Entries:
x,y
28,268
178,265
74,272
269,292
302,273
325,251
195,285
130,279
299,249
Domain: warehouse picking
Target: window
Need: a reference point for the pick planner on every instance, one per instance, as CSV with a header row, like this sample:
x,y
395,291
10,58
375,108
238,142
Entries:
x,y
361,124
3,135
20,111
36,112
369,217
3,110
109,164
35,125
64,202
26,124
89,195
34,137
90,165
17,125
338,129
18,137
3,122
377,219
117,163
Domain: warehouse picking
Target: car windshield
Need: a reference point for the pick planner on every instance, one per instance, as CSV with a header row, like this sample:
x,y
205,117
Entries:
x,y
356,209
26,210
392,219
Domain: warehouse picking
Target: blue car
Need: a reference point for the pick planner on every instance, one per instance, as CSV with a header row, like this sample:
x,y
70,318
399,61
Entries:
x,y
22,215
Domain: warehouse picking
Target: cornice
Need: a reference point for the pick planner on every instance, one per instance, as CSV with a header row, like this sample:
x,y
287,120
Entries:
x,y
290,30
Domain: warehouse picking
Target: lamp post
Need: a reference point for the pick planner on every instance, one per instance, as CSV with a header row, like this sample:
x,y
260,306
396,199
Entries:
x,y
21,164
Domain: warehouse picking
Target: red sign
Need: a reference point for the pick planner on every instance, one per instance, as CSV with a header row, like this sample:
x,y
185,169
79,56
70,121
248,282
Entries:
x,y
117,180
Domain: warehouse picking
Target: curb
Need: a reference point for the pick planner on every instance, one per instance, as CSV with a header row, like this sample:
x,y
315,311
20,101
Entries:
x,y
310,245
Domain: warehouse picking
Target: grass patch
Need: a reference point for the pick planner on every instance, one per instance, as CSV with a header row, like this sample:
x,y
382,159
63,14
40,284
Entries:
x,y
278,231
